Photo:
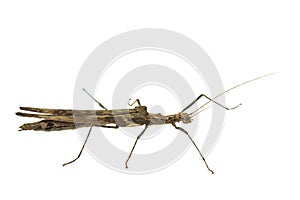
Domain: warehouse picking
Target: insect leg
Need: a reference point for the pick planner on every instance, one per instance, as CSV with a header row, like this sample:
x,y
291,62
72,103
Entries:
x,y
210,99
181,129
138,137
81,148
95,99
136,101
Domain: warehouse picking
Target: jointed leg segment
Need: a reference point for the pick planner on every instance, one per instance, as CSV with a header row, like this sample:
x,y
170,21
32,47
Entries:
x,y
138,137
181,129
135,101
210,99
94,99
88,135
81,148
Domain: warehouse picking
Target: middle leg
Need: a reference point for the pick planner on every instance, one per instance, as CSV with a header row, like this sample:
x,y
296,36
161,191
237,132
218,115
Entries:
x,y
138,137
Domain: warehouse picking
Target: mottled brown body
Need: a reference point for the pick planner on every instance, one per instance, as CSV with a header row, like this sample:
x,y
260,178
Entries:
x,y
62,119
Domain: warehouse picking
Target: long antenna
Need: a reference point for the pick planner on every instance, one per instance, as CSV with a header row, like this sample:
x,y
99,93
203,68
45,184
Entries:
x,y
193,113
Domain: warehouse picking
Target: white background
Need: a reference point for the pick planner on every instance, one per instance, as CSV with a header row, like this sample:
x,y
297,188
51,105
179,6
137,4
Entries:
x,y
43,45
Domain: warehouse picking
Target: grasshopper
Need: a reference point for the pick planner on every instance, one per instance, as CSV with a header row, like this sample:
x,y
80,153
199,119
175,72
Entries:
x,y
63,119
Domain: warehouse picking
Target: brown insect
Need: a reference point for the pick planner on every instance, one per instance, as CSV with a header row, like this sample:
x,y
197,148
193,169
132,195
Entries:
x,y
62,119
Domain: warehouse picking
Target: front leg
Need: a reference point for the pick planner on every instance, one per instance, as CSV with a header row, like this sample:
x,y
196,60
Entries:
x,y
181,129
210,100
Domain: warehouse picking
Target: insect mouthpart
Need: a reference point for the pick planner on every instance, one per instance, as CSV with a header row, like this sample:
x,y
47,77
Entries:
x,y
184,117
